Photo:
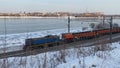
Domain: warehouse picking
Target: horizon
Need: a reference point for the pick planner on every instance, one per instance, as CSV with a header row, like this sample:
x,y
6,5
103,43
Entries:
x,y
75,6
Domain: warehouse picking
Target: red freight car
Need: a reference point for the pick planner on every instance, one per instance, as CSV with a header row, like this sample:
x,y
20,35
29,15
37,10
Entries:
x,y
67,37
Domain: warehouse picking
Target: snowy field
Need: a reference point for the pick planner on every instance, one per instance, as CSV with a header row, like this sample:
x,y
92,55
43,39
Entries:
x,y
86,57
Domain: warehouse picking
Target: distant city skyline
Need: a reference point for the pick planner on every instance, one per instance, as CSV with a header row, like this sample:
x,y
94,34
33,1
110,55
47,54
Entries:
x,y
105,6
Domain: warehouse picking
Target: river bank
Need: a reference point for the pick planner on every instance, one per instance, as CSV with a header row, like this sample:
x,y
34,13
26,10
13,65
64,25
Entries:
x,y
33,17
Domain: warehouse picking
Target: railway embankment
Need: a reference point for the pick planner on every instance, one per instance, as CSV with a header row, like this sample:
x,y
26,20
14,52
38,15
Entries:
x,y
84,43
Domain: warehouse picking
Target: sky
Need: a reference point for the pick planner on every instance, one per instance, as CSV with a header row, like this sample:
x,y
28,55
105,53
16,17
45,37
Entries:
x,y
105,6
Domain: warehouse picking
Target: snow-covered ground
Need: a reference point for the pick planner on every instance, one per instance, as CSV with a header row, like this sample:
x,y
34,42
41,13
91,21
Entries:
x,y
100,59
85,57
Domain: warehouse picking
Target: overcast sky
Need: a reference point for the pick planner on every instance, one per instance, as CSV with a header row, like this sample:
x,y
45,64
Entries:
x,y
106,6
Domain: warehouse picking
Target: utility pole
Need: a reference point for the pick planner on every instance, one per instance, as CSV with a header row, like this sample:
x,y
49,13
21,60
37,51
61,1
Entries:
x,y
111,20
68,24
5,59
103,20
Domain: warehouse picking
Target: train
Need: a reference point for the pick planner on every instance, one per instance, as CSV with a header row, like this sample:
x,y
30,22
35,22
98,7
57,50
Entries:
x,y
55,40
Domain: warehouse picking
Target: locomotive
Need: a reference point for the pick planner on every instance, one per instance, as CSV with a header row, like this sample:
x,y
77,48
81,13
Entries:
x,y
54,40
42,42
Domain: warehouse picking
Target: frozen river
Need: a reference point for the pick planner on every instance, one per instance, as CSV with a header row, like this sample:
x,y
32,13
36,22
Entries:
x,y
23,25
18,29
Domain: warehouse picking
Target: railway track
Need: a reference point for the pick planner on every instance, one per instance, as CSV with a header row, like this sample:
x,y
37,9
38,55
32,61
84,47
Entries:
x,y
84,43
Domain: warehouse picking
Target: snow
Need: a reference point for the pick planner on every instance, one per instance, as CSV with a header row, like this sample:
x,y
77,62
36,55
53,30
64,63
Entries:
x,y
72,57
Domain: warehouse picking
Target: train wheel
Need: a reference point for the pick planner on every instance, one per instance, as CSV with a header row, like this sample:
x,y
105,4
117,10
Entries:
x,y
50,45
27,48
